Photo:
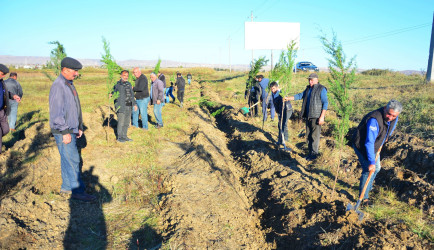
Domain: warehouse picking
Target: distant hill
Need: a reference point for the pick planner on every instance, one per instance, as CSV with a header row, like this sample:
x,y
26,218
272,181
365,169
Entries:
x,y
32,61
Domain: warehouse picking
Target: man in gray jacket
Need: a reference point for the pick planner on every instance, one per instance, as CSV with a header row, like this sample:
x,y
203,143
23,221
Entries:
x,y
66,124
14,88
124,102
4,104
157,96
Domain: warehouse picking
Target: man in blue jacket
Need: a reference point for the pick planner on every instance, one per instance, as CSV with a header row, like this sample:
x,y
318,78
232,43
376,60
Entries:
x,y
313,110
66,124
266,100
373,131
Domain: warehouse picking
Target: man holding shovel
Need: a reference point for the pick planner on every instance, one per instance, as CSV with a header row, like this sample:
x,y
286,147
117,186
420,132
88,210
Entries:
x,y
284,112
373,131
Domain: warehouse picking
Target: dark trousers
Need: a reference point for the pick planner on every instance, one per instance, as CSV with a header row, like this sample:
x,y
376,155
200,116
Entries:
x,y
286,116
253,101
4,126
180,95
313,132
124,120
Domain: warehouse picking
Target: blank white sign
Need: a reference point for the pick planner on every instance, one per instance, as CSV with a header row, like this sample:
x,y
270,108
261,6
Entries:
x,y
271,35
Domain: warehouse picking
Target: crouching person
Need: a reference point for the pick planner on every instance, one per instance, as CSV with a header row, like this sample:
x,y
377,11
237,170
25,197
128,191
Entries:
x,y
372,133
284,112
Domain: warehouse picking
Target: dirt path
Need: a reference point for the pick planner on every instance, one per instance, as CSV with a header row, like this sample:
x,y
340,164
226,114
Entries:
x,y
206,206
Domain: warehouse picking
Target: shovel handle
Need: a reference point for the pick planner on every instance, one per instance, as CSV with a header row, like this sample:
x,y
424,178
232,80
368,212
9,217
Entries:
x,y
366,185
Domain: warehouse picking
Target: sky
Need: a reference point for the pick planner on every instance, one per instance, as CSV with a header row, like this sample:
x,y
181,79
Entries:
x,y
379,34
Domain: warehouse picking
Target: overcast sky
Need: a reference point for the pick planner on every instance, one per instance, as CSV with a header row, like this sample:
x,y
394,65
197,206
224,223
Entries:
x,y
381,34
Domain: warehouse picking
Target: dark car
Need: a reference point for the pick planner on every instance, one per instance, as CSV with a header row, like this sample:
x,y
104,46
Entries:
x,y
306,66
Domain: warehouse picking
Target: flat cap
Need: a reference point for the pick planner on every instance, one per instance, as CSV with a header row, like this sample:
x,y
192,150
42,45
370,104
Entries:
x,y
71,63
4,69
313,75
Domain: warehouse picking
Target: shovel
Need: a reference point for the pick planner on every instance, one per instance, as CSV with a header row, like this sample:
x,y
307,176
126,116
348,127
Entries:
x,y
246,110
356,207
351,207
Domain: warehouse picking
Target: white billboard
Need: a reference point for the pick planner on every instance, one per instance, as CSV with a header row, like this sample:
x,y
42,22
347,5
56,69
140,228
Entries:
x,y
270,35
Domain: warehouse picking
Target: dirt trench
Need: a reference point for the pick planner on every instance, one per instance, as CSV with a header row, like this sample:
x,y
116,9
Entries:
x,y
286,203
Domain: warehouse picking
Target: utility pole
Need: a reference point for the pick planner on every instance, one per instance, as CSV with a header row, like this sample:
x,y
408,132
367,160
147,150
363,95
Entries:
x,y
430,67
230,65
251,19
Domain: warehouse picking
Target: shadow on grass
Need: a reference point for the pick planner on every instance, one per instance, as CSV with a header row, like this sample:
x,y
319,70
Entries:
x,y
87,227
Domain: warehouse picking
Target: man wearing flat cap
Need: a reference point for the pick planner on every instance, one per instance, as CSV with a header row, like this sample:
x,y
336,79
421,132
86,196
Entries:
x,y
313,110
66,124
4,105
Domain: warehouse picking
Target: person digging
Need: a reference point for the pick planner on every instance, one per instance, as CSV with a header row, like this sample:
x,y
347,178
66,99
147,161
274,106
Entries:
x,y
372,133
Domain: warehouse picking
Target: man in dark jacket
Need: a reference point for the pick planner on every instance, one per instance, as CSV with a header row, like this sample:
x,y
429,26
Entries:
x,y
4,105
372,133
162,78
313,109
157,99
255,93
124,102
141,93
66,124
284,112
14,88
180,84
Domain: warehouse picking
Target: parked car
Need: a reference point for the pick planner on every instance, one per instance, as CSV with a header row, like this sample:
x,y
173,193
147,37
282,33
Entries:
x,y
306,66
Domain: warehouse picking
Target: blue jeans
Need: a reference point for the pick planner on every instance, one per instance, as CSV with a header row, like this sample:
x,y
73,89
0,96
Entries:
x,y
265,106
189,81
158,108
142,105
70,164
365,173
12,117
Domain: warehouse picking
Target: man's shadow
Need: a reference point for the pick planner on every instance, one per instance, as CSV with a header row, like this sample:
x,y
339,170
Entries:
x,y
87,226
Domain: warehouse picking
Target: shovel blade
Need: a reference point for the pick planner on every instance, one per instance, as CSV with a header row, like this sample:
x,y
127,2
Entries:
x,y
360,213
355,208
350,207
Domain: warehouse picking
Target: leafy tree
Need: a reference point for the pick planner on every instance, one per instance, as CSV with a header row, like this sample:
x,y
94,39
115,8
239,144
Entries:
x,y
283,71
56,56
255,67
342,75
157,66
112,69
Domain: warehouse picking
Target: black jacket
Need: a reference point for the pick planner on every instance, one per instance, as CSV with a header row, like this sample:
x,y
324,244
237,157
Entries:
x,y
141,87
122,102
163,79
180,83
315,104
359,136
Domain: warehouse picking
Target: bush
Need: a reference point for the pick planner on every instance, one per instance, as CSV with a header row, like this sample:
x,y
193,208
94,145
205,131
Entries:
x,y
377,72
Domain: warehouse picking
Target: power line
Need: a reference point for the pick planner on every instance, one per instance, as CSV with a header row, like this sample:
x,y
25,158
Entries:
x,y
378,36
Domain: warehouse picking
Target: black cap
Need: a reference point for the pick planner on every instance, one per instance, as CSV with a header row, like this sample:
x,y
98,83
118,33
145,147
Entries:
x,y
71,63
4,69
313,75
